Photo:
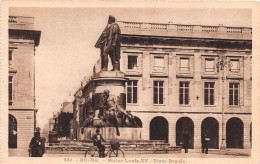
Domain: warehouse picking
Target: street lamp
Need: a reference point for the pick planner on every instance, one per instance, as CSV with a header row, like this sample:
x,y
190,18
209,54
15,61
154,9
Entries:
x,y
220,66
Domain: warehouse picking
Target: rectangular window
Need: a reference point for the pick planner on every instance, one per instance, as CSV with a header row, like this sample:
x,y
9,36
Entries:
x,y
10,56
10,90
184,93
158,63
158,92
132,91
234,94
234,65
209,93
132,62
209,65
184,64
84,112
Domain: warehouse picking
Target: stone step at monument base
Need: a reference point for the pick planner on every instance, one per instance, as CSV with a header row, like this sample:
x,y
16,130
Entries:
x,y
123,143
172,150
110,133
128,146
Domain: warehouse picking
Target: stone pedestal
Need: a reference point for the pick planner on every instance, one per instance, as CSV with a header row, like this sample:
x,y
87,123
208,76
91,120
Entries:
x,y
109,133
114,81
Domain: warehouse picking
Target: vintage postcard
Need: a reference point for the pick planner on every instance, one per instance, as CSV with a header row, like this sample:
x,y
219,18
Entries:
x,y
129,82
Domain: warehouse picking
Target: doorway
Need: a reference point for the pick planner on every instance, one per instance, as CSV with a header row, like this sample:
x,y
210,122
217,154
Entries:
x,y
159,129
12,136
182,124
235,132
211,127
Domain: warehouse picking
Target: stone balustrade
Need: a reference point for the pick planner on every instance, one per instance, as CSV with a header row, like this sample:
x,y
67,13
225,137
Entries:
x,y
20,22
168,29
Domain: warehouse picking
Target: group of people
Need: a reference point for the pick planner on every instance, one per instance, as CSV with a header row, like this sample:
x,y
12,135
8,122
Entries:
x,y
186,141
37,144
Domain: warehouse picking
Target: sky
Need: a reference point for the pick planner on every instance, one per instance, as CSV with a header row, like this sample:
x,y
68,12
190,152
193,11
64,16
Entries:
x,y
66,53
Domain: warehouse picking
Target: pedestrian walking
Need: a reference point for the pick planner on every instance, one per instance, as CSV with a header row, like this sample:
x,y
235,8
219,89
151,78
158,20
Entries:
x,y
37,145
186,140
205,142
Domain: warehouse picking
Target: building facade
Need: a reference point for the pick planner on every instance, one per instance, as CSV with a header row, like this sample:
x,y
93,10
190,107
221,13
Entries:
x,y
190,77
63,121
60,125
23,40
82,107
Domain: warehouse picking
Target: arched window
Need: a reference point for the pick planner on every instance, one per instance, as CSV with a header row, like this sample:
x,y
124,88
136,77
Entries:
x,y
210,126
159,129
182,124
12,136
138,122
235,133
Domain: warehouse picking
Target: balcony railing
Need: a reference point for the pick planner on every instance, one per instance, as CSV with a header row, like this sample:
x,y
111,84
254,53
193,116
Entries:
x,y
156,26
20,20
132,25
184,28
160,27
209,29
234,30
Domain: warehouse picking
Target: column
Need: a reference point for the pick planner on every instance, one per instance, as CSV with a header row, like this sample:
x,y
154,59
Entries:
x,y
246,134
172,133
197,133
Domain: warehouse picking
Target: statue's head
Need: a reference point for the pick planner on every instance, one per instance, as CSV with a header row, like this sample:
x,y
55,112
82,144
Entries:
x,y
106,92
97,131
111,19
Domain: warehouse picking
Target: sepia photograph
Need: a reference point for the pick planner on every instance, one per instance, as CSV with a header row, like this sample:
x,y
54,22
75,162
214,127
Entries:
x,y
126,84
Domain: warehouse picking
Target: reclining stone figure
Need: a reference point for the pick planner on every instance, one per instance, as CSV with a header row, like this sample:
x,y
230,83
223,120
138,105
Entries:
x,y
113,111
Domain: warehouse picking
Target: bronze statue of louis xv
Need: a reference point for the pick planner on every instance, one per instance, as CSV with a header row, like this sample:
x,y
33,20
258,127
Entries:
x,y
109,44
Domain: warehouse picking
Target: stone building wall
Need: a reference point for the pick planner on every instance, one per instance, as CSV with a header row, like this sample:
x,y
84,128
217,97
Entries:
x,y
23,40
145,43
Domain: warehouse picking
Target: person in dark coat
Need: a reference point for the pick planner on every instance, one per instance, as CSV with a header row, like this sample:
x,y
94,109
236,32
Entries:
x,y
97,139
37,145
205,142
186,139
